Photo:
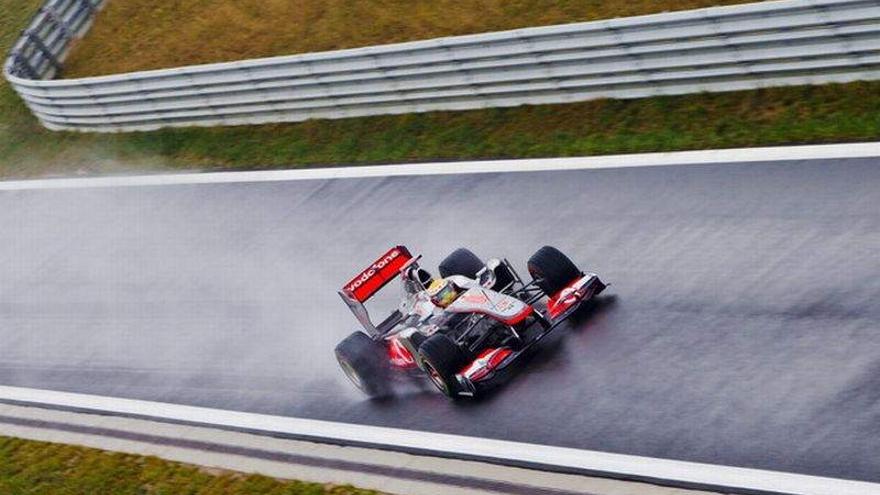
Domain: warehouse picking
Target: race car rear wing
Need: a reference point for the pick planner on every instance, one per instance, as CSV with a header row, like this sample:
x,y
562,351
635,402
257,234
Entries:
x,y
378,274
368,282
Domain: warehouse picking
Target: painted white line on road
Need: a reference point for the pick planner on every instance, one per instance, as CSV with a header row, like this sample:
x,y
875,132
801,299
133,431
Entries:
x,y
739,155
576,460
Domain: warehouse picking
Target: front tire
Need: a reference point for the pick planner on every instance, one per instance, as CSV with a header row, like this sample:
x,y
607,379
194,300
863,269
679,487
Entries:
x,y
463,262
552,269
441,359
362,359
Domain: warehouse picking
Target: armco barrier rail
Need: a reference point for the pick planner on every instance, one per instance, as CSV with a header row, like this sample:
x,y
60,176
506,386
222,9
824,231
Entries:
x,y
43,45
764,44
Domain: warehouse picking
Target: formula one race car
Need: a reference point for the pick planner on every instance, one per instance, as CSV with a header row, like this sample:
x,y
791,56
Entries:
x,y
465,330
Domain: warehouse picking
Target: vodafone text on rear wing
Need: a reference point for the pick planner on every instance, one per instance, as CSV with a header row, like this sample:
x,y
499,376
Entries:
x,y
367,283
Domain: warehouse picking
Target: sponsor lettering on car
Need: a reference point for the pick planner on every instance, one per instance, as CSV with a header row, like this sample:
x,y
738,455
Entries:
x,y
379,273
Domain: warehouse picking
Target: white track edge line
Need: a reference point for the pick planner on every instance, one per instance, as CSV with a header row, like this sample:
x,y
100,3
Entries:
x,y
561,457
737,155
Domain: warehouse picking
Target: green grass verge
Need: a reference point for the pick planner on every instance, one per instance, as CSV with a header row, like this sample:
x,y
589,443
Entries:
x,y
779,116
30,467
808,114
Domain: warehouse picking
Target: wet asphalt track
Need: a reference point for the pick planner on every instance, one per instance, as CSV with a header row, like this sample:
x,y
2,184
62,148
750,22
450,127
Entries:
x,y
742,327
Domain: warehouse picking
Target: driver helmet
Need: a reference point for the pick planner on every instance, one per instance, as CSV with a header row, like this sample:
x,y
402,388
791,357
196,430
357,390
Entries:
x,y
442,292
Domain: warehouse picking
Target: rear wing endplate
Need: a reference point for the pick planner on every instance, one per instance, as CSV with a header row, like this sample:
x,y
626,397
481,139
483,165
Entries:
x,y
368,282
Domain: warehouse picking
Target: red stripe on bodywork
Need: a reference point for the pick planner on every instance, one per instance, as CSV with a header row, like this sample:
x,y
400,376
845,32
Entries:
x,y
561,302
399,355
485,363
519,317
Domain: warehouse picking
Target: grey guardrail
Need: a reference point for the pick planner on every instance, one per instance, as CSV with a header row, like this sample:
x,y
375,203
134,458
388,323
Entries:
x,y
787,42
40,50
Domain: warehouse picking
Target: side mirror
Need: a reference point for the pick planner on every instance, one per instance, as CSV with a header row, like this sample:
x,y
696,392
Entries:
x,y
486,275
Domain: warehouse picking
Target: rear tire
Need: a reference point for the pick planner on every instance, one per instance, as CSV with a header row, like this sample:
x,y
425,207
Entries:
x,y
362,359
442,359
553,270
463,262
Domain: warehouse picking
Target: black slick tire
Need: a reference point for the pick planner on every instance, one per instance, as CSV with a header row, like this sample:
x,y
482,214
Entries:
x,y
552,269
363,361
441,360
461,262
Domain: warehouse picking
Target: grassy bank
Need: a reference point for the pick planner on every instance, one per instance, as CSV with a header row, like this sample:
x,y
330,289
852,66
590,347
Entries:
x,y
798,115
752,118
29,467
171,34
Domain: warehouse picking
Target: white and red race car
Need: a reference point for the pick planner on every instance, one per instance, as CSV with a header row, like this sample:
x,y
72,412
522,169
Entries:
x,y
467,342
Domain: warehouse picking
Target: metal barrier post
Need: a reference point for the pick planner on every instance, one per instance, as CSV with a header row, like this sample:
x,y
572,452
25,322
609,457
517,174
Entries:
x,y
44,50
19,61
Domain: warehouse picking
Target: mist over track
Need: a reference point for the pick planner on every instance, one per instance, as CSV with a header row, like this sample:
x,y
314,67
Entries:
x,y
741,327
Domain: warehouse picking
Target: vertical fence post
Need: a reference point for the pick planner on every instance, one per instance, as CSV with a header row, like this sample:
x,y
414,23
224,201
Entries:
x,y
56,19
20,62
88,5
47,53
83,13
